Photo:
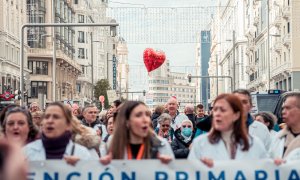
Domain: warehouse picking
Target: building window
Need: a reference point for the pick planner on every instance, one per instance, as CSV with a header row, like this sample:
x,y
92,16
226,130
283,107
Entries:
x,y
81,53
87,37
80,18
76,2
78,88
38,87
38,67
80,36
256,56
289,84
288,27
82,69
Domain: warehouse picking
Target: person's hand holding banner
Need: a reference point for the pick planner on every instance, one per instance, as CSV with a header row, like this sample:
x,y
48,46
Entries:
x,y
105,160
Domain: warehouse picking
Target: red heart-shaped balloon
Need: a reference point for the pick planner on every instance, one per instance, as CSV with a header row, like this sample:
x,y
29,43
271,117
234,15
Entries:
x,y
153,59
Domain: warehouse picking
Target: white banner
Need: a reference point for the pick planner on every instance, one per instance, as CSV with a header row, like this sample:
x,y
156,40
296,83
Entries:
x,y
154,170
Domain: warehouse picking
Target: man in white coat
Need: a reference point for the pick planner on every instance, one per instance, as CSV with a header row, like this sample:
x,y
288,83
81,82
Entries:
x,y
287,142
255,128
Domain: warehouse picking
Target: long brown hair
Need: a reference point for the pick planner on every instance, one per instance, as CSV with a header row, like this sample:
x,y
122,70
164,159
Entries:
x,y
120,138
240,134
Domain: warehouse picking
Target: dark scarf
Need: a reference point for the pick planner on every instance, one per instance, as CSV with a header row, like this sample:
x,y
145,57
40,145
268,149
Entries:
x,y
249,120
86,123
56,147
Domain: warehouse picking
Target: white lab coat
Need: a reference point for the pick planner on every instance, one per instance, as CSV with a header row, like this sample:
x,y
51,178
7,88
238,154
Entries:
x,y
201,148
163,149
273,135
35,151
277,147
260,130
293,155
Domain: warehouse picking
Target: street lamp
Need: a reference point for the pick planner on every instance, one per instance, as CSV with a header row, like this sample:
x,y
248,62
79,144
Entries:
x,y
54,54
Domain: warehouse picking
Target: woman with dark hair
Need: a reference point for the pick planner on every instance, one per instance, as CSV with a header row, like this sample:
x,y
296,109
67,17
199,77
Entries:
x,y
269,120
18,126
133,138
3,111
55,142
228,138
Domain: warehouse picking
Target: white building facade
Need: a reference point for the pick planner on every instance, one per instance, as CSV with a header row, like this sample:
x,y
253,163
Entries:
x,y
228,48
12,17
282,69
40,53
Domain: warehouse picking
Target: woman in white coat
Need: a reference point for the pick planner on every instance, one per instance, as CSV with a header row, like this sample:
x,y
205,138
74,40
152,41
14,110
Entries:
x,y
133,137
55,142
228,139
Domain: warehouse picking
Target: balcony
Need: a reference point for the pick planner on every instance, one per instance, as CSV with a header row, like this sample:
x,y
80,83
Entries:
x,y
281,68
286,12
277,21
286,40
48,54
277,47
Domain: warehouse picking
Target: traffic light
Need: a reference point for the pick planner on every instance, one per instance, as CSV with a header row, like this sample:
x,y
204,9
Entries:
x,y
190,78
144,93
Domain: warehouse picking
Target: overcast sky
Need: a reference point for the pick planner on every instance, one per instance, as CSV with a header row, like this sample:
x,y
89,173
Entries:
x,y
178,54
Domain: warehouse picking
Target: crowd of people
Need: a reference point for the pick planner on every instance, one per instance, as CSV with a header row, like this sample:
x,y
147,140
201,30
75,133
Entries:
x,y
129,130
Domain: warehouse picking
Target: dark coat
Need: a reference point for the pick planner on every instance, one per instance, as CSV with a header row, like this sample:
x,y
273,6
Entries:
x,y
180,148
204,123
154,119
193,118
92,125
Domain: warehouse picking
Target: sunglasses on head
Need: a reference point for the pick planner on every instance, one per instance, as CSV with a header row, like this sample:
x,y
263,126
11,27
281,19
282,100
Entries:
x,y
184,126
165,125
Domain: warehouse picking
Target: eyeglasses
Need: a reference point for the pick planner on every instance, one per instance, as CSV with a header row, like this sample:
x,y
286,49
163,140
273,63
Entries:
x,y
165,125
184,126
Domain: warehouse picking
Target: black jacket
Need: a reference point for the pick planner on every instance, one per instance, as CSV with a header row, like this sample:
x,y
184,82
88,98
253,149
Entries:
x,y
193,118
92,125
154,119
180,148
204,123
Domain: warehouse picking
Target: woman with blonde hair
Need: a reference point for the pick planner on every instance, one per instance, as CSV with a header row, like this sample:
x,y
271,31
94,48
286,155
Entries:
x,y
37,118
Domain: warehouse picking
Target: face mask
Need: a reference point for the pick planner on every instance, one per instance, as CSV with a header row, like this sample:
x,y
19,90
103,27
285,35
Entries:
x,y
187,132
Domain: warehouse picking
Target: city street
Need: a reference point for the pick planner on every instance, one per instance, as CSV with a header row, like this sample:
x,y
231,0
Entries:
x,y
214,83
